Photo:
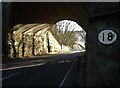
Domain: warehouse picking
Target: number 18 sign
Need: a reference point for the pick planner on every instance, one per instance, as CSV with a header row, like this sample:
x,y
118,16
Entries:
x,y
107,36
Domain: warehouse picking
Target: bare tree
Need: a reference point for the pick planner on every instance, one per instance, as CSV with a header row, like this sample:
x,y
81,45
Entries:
x,y
63,34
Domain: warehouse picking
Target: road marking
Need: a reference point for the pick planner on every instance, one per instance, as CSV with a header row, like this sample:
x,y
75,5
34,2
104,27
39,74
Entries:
x,y
68,60
67,74
36,60
61,61
10,76
22,67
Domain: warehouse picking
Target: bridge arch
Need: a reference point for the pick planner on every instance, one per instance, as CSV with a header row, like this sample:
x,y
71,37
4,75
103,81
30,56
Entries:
x,y
50,13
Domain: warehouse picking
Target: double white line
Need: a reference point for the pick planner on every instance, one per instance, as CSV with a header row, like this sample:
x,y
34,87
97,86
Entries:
x,y
11,68
26,66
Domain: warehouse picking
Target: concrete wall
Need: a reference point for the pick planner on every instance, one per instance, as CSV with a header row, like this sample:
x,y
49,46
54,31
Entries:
x,y
103,66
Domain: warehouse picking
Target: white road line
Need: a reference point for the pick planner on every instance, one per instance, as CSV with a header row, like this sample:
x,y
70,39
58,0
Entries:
x,y
61,61
36,60
67,74
10,76
22,67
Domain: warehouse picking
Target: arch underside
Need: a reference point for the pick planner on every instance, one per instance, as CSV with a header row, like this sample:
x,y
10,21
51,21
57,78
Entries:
x,y
29,18
26,13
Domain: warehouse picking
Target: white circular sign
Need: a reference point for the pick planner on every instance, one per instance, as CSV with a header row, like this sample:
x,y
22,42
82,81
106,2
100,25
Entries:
x,y
107,36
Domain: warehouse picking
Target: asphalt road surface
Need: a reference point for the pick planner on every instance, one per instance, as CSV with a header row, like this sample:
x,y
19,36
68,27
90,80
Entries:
x,y
53,73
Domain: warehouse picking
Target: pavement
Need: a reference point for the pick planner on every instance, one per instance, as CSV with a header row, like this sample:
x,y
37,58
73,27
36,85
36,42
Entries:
x,y
48,70
27,61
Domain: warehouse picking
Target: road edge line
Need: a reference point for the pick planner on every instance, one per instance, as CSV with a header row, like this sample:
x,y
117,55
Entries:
x,y
68,72
10,76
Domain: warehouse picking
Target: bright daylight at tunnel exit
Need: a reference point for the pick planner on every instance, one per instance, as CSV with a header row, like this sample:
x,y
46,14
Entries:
x,y
28,40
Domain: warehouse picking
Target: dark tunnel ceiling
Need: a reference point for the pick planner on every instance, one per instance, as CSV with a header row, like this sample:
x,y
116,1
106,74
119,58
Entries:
x,y
47,12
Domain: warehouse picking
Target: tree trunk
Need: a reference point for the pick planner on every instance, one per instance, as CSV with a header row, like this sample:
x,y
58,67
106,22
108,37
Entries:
x,y
22,45
33,46
13,46
48,43
61,46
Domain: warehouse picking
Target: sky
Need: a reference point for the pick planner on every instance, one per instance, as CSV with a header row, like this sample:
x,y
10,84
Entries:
x,y
73,25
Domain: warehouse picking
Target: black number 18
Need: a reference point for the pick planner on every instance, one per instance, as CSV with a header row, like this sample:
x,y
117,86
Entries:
x,y
110,36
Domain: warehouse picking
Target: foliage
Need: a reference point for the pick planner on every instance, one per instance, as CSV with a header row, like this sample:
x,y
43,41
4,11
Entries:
x,y
66,37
